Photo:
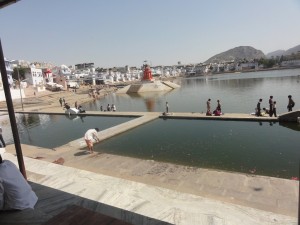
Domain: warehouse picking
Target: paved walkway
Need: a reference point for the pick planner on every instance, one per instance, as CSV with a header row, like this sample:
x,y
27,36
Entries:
x,y
168,205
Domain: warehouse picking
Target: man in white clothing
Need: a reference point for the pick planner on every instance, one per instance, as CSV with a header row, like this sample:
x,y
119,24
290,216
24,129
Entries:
x,y
90,135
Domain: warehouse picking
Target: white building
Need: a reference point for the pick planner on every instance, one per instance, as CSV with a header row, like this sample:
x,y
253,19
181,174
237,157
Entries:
x,y
295,62
62,70
9,72
20,63
15,93
34,77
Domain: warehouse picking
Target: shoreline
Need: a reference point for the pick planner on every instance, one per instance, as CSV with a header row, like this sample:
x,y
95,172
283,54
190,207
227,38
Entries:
x,y
245,71
35,101
50,100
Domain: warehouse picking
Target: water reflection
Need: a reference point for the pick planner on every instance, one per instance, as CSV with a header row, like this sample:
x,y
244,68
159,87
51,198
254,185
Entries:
x,y
50,131
30,120
151,98
292,126
238,93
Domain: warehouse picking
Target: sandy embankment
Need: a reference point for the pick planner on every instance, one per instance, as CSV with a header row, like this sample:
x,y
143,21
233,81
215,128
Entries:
x,y
48,100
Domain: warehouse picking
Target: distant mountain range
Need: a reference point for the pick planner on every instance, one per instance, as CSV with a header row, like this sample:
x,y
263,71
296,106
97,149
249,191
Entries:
x,y
290,51
238,53
249,53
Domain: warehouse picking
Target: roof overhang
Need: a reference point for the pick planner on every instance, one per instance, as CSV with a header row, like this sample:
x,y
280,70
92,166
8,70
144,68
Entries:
x,y
4,3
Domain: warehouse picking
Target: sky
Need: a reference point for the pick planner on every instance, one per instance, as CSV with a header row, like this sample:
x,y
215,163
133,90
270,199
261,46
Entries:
x,y
113,33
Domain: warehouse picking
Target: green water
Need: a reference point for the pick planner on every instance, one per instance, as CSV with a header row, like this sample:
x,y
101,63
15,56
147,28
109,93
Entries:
x,y
50,131
263,148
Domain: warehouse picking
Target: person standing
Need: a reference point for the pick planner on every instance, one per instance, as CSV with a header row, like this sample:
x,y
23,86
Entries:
x,y
89,136
76,105
108,107
61,102
208,112
274,109
113,107
258,108
271,106
219,106
291,103
167,107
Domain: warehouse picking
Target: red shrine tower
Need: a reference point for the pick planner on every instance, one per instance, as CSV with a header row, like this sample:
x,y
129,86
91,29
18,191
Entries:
x,y
147,73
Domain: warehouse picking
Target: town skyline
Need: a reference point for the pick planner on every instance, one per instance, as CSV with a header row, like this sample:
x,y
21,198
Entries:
x,y
121,33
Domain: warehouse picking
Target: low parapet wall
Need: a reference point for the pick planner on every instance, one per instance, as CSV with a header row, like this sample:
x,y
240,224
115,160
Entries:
x,y
290,116
15,94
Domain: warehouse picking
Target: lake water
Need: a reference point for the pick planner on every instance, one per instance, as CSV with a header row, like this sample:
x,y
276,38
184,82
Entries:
x,y
50,131
268,148
238,93
264,148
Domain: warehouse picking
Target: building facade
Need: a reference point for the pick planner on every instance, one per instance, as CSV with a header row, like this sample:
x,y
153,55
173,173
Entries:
x,y
16,93
34,77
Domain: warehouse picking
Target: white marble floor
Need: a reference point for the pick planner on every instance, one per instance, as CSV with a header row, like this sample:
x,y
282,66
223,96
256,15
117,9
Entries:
x,y
151,201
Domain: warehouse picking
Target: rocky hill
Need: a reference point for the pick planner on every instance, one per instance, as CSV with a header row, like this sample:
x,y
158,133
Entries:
x,y
239,53
290,51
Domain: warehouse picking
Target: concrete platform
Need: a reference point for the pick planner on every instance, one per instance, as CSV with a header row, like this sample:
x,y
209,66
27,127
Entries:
x,y
170,193
167,205
110,132
148,86
171,115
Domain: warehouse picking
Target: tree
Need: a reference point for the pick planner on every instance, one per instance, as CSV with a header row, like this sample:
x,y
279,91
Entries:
x,y
267,63
22,72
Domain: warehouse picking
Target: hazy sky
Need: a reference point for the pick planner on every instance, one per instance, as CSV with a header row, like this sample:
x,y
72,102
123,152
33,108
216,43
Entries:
x,y
127,32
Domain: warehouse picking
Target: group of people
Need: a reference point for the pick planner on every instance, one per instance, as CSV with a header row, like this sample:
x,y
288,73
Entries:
x,y
109,108
272,107
66,105
62,101
95,93
80,108
216,112
258,110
